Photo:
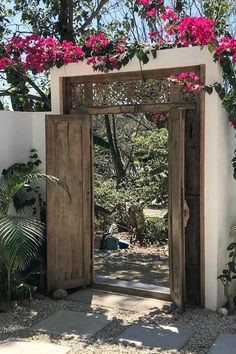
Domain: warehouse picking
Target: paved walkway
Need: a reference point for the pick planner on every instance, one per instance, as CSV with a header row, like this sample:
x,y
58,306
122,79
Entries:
x,y
86,325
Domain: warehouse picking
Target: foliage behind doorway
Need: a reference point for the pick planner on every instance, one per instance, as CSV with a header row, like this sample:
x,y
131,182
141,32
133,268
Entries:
x,y
131,173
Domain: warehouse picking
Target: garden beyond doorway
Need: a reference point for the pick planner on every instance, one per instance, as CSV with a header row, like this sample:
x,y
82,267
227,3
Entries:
x,y
131,197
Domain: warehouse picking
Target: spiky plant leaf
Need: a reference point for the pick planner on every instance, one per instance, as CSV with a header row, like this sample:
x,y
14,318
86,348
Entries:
x,y
20,239
12,184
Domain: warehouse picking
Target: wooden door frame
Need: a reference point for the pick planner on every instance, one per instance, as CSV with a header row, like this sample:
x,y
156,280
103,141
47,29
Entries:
x,y
199,106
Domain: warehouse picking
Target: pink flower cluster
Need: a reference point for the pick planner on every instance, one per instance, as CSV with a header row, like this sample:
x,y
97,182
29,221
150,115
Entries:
x,y
102,61
226,46
145,2
170,14
196,31
190,81
152,11
105,57
98,41
186,31
37,53
5,62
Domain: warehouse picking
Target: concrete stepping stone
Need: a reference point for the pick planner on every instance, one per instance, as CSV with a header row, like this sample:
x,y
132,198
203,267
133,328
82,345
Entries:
x,y
225,343
65,323
17,347
102,298
162,337
151,305
118,301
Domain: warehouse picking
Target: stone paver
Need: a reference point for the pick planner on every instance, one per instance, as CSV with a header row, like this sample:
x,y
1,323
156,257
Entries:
x,y
151,305
162,337
72,323
15,347
118,301
103,298
225,343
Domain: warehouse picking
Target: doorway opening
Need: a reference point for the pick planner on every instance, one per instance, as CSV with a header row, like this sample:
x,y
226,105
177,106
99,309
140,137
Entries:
x,y
69,139
131,199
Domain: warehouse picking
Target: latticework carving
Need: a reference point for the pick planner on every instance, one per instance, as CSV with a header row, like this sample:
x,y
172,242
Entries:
x,y
130,92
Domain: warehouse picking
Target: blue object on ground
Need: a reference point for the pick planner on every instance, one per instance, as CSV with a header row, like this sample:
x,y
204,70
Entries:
x,y
109,242
123,244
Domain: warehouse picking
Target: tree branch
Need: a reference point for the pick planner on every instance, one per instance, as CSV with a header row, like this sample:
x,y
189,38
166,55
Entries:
x,y
46,100
31,97
93,15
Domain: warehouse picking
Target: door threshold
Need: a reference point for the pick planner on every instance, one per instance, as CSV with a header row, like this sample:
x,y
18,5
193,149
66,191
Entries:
x,y
132,288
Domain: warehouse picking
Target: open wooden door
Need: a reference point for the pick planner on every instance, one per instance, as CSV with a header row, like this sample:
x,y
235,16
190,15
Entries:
x,y
69,223
176,207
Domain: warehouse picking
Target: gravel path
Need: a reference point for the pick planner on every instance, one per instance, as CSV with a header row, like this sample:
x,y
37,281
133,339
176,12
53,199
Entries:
x,y
148,265
206,325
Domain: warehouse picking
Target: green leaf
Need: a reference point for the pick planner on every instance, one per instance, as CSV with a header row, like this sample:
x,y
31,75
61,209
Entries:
x,y
231,266
211,48
208,89
231,246
20,239
125,60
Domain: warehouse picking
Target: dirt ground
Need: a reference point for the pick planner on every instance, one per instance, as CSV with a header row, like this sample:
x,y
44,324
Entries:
x,y
139,264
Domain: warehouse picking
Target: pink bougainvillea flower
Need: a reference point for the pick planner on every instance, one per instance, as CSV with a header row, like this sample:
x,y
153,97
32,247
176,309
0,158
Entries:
x,y
226,47
153,35
152,12
97,40
5,62
91,61
145,2
169,14
121,48
196,31
190,81
170,29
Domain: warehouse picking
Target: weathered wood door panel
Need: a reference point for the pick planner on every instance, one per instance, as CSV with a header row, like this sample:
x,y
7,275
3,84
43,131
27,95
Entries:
x,y
176,204
192,196
69,223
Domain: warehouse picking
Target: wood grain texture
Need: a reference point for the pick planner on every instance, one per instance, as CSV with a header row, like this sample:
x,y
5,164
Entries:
x,y
69,222
192,196
141,108
176,159
133,75
201,109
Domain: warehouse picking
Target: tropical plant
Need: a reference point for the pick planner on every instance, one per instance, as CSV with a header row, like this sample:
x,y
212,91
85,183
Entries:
x,y
229,273
21,234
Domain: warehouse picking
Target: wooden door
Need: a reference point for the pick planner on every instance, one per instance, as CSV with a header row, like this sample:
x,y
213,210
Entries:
x,y
176,160
69,223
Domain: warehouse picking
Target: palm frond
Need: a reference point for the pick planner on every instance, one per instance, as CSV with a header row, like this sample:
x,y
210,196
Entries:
x,y
42,177
13,183
20,239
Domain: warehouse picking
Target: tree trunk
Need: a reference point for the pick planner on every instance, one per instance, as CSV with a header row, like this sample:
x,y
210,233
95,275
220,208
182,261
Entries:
x,y
179,6
65,20
115,152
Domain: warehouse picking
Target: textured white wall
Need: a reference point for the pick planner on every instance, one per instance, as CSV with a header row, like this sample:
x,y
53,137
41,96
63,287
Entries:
x,y
220,191
38,136
20,132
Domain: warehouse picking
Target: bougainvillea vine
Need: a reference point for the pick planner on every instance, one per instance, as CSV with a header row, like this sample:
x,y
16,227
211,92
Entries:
x,y
37,54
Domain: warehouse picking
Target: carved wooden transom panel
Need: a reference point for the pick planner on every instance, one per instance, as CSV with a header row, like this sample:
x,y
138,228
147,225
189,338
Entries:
x,y
130,92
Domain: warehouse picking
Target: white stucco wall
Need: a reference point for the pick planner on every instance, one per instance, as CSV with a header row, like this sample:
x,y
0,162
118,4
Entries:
x,y
220,191
20,132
